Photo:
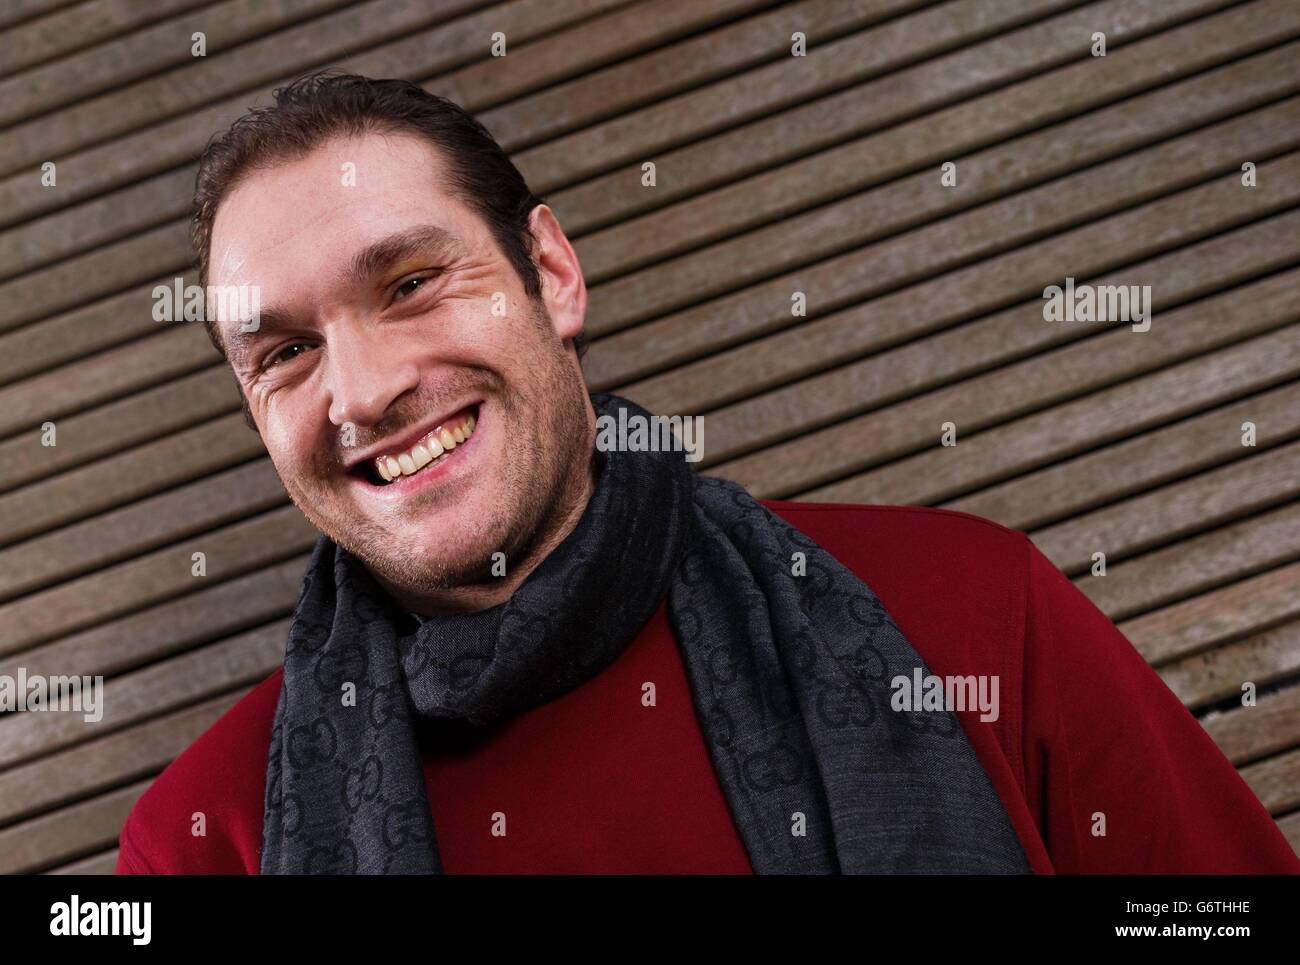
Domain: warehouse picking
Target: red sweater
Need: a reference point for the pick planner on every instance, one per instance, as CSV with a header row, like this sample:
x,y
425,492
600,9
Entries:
x,y
595,782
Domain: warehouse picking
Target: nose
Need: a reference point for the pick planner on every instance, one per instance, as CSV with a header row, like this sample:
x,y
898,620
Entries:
x,y
367,372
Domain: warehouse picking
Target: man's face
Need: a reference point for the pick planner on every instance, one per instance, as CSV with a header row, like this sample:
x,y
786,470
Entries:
x,y
388,314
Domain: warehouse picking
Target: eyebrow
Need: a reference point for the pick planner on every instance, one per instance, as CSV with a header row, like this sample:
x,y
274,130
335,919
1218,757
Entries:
x,y
429,239
240,346
375,259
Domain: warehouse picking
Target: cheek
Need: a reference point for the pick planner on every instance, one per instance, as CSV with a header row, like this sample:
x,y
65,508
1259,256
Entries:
x,y
289,464
289,444
483,321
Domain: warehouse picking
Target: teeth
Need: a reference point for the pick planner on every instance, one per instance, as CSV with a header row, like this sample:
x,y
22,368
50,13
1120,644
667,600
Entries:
x,y
431,449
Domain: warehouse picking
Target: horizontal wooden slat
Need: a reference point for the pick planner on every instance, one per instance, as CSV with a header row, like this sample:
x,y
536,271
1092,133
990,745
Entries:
x,y
1219,674
655,131
68,30
1271,725
89,225
1026,387
157,576
89,768
947,135
685,65
182,115
1195,565
866,217
986,231
146,525
1222,614
127,642
135,697
1249,484
1290,827
1276,781
1057,434
146,51
165,196
101,324
67,833
167,353
1159,455
268,58
101,272
80,492
21,11
856,331
145,204
104,863
618,34
111,428
1006,336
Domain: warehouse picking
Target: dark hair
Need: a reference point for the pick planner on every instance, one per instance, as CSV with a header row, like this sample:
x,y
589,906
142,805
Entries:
x,y
326,103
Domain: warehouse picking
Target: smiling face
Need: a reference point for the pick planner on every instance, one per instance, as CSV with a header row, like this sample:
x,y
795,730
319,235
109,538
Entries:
x,y
392,326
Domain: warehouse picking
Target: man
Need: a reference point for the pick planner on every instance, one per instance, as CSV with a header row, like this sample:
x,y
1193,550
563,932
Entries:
x,y
518,651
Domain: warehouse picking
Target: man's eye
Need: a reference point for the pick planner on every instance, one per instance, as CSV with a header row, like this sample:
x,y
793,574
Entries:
x,y
282,355
408,288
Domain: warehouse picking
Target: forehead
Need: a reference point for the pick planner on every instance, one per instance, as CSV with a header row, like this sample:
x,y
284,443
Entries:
x,y
290,228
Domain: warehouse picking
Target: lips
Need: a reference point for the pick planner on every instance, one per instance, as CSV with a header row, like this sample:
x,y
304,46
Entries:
x,y
425,451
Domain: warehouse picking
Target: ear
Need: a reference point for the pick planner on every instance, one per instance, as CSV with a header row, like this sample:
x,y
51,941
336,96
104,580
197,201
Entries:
x,y
564,291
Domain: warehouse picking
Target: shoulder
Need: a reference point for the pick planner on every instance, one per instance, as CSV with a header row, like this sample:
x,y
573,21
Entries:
x,y
220,777
957,585
938,569
906,529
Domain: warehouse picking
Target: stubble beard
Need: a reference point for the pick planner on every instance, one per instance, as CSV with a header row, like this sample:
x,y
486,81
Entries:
x,y
543,476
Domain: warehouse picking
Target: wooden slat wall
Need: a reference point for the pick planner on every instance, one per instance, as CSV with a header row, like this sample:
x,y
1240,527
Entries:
x,y
776,174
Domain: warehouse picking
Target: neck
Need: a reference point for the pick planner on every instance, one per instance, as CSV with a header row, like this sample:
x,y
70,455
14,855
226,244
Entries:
x,y
493,591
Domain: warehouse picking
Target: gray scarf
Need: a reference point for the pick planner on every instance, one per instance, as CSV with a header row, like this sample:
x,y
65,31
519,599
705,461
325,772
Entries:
x,y
789,674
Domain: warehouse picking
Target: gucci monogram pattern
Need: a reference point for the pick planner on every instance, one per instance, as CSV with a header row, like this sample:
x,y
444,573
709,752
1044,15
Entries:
x,y
791,675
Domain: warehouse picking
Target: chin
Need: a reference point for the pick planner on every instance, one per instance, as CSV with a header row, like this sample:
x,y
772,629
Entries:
x,y
453,543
